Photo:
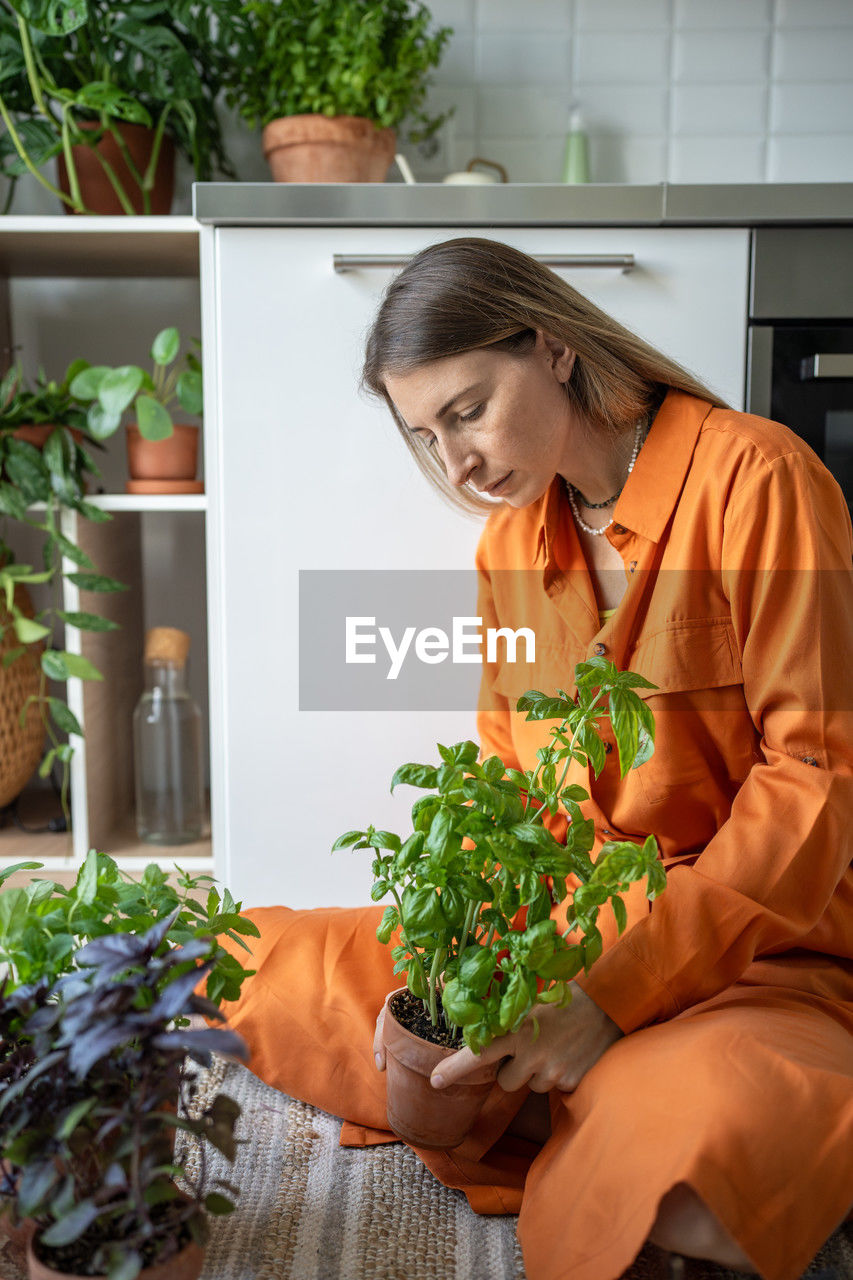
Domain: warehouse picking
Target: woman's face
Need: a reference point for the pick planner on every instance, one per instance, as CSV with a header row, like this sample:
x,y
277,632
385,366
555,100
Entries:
x,y
499,422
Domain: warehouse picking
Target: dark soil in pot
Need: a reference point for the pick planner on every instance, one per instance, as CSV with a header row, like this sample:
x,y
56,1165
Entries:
x,y
75,1259
410,1013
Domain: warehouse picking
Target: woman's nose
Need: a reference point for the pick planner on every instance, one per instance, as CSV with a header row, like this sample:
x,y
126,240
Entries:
x,y
460,464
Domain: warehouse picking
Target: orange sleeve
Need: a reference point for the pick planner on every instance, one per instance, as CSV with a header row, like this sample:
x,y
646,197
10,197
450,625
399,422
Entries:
x,y
768,882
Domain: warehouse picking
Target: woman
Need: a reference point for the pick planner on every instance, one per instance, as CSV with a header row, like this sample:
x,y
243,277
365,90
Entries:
x,y
697,1091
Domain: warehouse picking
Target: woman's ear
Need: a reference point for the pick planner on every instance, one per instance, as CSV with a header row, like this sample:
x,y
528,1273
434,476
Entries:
x,y
561,358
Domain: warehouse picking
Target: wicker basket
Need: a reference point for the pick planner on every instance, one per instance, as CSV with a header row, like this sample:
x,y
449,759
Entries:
x,y
21,749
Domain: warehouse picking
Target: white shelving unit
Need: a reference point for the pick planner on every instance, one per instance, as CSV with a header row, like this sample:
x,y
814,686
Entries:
x,y
72,249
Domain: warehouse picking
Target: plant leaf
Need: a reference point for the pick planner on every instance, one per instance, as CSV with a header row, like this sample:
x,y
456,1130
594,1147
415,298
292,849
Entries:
x,y
118,387
87,621
189,391
72,1225
96,582
152,419
165,346
29,631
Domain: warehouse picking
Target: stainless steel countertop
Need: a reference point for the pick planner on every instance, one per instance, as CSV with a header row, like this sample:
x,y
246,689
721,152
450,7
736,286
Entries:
x,y
521,204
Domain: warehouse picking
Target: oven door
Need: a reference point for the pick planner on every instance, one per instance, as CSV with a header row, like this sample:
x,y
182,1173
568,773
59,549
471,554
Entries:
x,y
802,375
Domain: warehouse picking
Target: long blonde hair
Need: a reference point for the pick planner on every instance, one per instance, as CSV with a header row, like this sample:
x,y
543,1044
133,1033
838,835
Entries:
x,y
469,293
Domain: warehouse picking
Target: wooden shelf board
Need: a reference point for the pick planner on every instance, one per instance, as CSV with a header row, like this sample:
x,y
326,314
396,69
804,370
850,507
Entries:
x,y
35,809
71,247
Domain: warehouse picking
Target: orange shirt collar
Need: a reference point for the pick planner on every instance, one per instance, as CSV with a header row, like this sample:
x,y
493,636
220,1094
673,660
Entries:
x,y
651,492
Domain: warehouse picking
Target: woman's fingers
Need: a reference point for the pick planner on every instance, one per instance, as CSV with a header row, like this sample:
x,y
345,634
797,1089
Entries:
x,y
378,1043
553,1050
465,1062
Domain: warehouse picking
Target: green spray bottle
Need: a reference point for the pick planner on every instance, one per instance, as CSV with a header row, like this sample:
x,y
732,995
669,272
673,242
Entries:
x,y
576,160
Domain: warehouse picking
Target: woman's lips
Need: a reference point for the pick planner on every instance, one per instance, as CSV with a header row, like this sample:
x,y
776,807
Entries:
x,y
495,489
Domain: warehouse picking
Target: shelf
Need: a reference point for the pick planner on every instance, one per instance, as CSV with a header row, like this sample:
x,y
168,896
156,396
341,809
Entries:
x,y
36,808
149,501
68,246
120,842
140,502
133,854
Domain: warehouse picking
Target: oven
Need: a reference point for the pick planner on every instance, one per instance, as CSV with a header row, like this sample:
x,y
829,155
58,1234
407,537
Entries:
x,y
800,339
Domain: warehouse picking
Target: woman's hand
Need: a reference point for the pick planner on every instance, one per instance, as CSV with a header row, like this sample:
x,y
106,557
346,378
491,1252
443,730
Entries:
x,y
570,1041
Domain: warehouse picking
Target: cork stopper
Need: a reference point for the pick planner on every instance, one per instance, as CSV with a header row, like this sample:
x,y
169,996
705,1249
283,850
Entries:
x,y
167,644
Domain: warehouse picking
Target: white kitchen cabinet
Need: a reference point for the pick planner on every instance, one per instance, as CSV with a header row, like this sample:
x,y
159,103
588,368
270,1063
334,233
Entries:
x,y
305,474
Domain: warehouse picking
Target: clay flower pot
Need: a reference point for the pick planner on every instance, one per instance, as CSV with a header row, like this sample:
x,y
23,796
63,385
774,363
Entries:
x,y
419,1114
316,148
95,187
163,466
37,433
185,1265
14,1240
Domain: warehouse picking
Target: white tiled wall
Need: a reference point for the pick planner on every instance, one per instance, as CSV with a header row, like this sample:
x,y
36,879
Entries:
x,y
672,90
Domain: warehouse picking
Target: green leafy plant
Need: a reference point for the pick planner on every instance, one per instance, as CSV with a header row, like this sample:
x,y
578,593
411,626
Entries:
x,y
89,1125
109,391
43,924
68,64
343,57
37,485
479,853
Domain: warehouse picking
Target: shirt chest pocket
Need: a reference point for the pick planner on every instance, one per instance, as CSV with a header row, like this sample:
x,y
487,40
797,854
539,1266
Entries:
x,y
703,731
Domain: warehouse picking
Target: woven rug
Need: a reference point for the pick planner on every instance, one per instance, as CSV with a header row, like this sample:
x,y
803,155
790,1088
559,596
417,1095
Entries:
x,y
310,1209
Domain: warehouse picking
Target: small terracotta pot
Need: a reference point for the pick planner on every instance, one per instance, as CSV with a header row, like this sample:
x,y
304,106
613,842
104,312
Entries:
x,y
175,458
14,1241
316,148
95,187
37,433
185,1265
419,1114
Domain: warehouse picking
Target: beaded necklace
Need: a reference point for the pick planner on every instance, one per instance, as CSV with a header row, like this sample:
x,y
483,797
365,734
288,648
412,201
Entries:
x,y
639,435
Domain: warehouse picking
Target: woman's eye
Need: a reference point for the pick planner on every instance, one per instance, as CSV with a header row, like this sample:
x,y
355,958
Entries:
x,y
470,417
429,443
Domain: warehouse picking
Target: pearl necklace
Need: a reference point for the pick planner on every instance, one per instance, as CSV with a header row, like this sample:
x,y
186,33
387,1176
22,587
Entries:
x,y
571,491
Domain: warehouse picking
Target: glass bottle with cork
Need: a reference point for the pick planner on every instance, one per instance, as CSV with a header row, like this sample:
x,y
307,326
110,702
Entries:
x,y
167,745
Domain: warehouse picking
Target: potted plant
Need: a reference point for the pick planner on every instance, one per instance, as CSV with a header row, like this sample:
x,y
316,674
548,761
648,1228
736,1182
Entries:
x,y
42,924
112,90
92,1121
42,927
473,888
45,466
330,83
162,454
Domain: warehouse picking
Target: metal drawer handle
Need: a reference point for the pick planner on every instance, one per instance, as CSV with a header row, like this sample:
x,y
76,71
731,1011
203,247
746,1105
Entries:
x,y
623,262
826,364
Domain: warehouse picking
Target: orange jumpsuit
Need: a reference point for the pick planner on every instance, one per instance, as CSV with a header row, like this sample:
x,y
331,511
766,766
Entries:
x,y
735,987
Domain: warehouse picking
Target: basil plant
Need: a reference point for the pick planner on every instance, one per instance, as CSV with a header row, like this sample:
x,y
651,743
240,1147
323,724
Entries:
x,y
474,884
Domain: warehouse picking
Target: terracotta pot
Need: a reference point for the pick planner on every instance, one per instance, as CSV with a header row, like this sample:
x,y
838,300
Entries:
x,y
37,433
175,458
186,1265
14,1237
317,148
419,1114
95,187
